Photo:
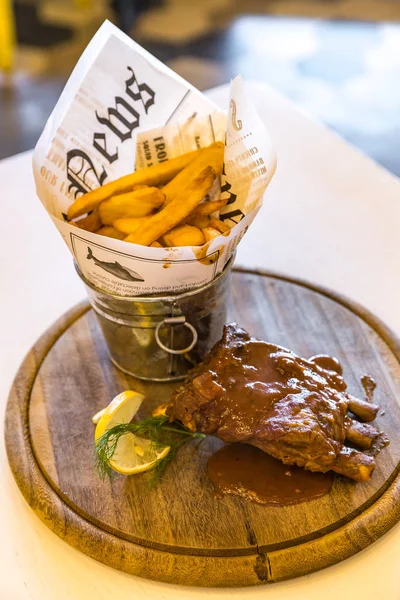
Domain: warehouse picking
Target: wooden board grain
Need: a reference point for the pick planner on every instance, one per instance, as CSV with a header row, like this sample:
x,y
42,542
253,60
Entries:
x,y
179,532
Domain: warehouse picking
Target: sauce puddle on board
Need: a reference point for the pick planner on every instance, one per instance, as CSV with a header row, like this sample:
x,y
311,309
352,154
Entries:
x,y
246,471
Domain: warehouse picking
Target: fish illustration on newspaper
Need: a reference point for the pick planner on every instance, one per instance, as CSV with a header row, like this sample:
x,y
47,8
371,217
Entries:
x,y
114,268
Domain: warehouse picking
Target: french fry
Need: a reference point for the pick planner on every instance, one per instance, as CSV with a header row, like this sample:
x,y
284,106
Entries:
x,y
176,211
129,225
208,208
133,204
156,245
109,231
210,233
219,225
212,156
183,235
199,221
155,175
90,223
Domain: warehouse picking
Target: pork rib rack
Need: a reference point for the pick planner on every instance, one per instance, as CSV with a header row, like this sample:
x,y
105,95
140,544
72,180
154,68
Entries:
x,y
296,410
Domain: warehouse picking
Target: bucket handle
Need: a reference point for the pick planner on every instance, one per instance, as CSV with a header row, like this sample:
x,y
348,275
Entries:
x,y
176,321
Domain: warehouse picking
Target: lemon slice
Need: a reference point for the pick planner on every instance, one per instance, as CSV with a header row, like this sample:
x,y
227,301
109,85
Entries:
x,y
96,418
132,454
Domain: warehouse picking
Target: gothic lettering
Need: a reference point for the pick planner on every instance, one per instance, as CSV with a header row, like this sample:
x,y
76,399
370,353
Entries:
x,y
235,215
100,144
79,165
130,125
144,93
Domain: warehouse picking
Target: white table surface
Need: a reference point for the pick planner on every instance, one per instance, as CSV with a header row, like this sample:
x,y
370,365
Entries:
x,y
331,216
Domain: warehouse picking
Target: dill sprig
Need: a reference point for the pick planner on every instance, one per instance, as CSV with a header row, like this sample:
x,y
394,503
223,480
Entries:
x,y
158,430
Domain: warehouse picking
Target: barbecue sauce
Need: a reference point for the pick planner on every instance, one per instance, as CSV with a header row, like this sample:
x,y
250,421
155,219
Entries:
x,y
328,363
246,471
249,391
369,385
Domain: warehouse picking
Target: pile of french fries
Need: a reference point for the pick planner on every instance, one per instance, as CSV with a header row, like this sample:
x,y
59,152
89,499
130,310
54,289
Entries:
x,y
161,206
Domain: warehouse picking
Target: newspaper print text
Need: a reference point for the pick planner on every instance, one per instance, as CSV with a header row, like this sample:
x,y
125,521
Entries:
x,y
120,122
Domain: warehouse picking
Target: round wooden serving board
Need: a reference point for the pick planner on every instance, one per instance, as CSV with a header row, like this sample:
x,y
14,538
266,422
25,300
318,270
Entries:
x,y
179,532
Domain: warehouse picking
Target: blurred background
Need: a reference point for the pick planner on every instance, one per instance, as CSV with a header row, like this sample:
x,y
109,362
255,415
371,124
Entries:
x,y
337,59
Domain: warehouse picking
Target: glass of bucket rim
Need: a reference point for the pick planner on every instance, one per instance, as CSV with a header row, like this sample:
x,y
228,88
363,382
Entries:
x,y
132,325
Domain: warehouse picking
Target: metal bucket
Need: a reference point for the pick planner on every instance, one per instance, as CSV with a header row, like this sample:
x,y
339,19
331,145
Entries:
x,y
159,338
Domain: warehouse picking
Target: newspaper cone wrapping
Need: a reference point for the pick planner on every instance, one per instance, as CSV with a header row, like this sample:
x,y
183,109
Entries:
x,y
123,109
